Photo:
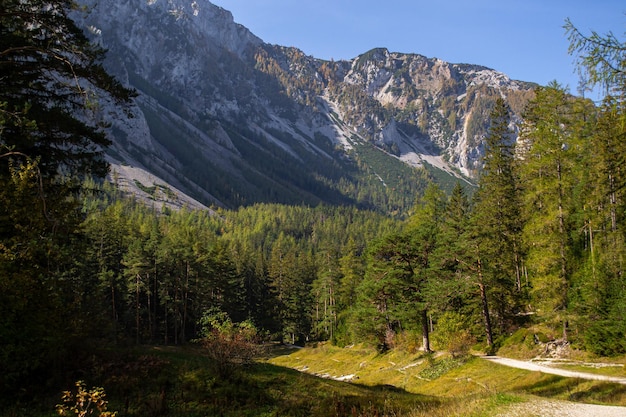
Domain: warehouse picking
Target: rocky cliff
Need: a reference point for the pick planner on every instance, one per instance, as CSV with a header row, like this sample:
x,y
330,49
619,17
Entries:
x,y
231,120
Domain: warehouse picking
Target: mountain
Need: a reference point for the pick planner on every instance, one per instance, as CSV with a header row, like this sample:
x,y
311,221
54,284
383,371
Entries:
x,y
231,120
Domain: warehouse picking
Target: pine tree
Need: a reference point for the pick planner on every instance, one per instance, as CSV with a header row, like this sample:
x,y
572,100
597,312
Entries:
x,y
386,301
424,228
399,271
51,81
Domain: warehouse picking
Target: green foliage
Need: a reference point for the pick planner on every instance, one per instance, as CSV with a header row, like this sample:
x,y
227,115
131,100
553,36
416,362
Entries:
x,y
524,343
50,137
155,189
553,135
453,334
441,366
605,338
601,58
44,56
492,240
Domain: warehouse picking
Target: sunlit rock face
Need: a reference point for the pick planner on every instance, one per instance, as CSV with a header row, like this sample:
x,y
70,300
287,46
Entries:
x,y
214,100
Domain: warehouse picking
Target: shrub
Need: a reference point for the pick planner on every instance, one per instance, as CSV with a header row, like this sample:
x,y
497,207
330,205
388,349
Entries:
x,y
229,345
409,341
604,338
84,402
453,334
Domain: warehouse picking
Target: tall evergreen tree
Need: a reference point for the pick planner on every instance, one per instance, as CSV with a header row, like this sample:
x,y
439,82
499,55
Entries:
x,y
399,272
51,81
451,290
496,223
326,295
48,136
387,295
552,151
424,228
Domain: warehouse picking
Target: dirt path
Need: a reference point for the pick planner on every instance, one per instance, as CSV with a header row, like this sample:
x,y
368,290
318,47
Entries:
x,y
555,408
530,366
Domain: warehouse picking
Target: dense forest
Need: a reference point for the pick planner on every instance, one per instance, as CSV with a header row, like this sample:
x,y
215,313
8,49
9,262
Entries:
x,y
540,241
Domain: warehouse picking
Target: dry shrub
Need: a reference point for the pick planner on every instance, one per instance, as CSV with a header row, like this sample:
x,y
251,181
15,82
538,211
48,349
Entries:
x,y
230,345
84,402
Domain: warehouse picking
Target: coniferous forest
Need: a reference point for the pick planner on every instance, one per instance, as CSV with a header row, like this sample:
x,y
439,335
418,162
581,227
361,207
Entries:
x,y
540,241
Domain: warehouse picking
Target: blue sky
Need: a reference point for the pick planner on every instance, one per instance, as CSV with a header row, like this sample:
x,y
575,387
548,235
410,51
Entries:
x,y
524,39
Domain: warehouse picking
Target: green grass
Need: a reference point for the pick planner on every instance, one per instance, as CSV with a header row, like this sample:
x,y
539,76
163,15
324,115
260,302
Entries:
x,y
616,370
180,381
470,384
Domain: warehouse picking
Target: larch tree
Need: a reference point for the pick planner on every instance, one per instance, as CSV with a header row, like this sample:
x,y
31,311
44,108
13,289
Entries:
x,y
551,151
601,61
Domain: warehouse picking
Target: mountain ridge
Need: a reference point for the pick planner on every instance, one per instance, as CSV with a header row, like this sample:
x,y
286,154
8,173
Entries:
x,y
231,120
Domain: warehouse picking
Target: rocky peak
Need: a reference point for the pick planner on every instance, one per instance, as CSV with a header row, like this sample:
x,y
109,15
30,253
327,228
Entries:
x,y
216,101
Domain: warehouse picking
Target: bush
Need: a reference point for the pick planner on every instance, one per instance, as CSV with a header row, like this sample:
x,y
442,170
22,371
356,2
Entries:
x,y
604,339
453,334
84,402
409,341
229,345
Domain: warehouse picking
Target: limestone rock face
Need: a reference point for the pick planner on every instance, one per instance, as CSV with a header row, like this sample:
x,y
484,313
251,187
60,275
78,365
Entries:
x,y
219,111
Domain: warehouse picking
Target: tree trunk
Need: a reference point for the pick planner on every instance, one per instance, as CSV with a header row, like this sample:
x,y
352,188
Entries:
x,y
149,305
485,304
137,281
486,317
562,238
113,311
425,332
518,272
183,332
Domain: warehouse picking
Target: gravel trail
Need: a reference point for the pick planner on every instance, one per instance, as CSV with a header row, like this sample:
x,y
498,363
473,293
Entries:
x,y
531,366
555,408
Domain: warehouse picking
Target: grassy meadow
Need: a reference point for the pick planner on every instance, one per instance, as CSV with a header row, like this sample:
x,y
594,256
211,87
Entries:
x,y
323,380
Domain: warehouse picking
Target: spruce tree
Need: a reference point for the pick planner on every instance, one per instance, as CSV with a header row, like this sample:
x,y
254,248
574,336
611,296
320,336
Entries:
x,y
49,135
388,298
451,290
496,220
50,84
